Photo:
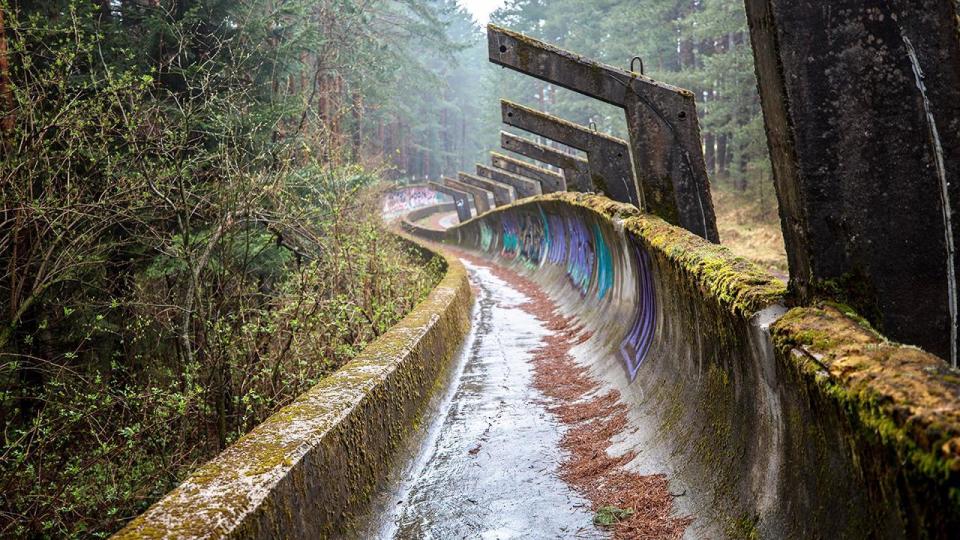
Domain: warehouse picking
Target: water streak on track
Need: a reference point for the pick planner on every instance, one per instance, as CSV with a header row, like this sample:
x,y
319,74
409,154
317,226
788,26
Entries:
x,y
488,467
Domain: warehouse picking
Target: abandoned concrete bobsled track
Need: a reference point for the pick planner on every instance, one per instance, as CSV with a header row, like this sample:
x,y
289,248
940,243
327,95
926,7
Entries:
x,y
487,466
771,423
604,342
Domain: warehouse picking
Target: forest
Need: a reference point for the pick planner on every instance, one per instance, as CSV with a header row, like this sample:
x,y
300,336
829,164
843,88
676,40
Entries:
x,y
189,233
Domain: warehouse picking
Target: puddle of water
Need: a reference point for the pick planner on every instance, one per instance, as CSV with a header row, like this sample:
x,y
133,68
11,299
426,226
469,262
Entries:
x,y
488,465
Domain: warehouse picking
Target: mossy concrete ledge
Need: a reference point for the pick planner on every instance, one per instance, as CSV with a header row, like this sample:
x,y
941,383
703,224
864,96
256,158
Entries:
x,y
773,423
898,407
409,222
309,469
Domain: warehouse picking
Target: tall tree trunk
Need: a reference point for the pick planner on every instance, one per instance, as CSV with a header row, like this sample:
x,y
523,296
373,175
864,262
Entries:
x,y
722,155
425,157
6,92
742,180
357,135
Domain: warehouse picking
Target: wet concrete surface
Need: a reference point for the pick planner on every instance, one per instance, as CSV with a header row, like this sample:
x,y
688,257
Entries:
x,y
487,466
440,221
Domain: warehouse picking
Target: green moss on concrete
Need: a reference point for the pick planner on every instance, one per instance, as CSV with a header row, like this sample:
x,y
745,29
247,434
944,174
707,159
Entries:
x,y
880,416
853,291
744,528
903,397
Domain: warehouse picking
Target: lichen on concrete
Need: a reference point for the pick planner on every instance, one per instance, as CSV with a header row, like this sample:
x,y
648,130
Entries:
x,y
908,398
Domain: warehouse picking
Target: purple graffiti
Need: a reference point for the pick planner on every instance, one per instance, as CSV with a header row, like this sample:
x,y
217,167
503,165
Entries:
x,y
511,235
634,347
581,257
557,253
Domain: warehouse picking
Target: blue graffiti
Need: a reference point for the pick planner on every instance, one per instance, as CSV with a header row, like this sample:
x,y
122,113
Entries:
x,y
604,263
557,254
636,345
581,257
511,235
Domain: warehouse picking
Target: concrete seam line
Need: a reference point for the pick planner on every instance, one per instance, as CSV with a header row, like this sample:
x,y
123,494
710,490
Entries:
x,y
310,467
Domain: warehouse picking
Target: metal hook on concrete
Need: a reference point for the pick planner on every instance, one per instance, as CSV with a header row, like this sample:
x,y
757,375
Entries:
x,y
633,61
501,47
593,126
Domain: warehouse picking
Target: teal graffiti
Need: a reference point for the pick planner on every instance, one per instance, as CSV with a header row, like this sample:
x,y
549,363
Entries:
x,y
546,230
511,237
604,263
486,236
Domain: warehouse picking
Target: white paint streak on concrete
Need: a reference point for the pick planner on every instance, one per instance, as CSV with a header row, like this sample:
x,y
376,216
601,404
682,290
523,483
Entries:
x,y
944,196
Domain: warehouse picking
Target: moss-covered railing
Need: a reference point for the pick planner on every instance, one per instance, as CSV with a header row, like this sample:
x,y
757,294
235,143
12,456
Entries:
x,y
771,423
310,468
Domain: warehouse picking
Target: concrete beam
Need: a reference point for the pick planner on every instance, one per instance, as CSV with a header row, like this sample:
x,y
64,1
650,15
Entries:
x,y
482,198
550,182
460,198
502,193
862,110
662,120
608,157
525,187
576,170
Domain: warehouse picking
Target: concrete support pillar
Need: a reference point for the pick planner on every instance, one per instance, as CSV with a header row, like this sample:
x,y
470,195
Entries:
x,y
607,157
502,193
550,182
525,187
482,198
861,101
461,199
576,170
664,130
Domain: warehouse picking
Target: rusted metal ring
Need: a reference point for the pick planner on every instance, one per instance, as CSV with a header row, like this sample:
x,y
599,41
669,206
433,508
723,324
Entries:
x,y
633,61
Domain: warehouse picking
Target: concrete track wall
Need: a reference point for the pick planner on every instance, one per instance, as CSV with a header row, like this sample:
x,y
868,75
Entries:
x,y
311,467
409,222
812,427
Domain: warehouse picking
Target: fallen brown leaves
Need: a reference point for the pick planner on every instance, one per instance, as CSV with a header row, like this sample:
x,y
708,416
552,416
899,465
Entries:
x,y
593,422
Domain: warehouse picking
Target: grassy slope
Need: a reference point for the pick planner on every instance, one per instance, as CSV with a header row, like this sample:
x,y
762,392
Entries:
x,y
751,228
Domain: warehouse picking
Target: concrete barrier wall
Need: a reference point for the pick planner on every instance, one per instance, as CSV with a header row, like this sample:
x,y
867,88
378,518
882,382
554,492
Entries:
x,y
812,427
310,468
409,222
400,200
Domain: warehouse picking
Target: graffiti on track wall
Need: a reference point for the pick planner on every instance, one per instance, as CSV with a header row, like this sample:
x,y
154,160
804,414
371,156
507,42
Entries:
x,y
399,202
636,345
583,249
486,236
511,236
604,263
580,256
534,239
